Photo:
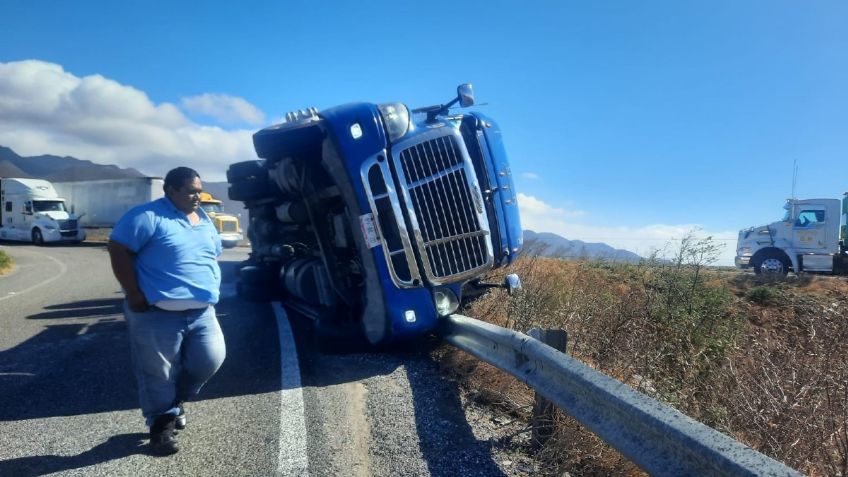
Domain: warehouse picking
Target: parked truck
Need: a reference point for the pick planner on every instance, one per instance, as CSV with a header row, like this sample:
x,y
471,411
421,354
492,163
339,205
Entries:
x,y
376,215
32,211
808,239
104,201
227,225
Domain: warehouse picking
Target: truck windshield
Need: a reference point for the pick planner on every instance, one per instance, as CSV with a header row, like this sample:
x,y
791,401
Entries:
x,y
49,206
212,207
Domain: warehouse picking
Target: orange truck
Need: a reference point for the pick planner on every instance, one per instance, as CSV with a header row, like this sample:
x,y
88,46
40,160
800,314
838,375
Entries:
x,y
227,225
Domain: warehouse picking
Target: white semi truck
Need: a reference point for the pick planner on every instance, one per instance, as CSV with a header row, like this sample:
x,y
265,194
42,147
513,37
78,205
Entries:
x,y
32,211
810,238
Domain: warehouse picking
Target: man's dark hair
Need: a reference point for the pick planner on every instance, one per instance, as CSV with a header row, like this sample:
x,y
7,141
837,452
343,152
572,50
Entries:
x,y
178,176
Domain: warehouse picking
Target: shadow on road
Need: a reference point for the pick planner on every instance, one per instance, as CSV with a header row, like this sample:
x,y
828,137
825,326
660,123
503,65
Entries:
x,y
445,439
83,368
71,369
10,243
116,447
82,309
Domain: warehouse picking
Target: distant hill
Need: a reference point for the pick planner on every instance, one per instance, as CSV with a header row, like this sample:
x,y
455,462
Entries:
x,y
552,245
58,169
71,169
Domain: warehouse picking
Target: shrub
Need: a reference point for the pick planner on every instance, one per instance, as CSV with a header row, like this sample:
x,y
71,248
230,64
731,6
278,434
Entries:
x,y
5,261
762,295
769,368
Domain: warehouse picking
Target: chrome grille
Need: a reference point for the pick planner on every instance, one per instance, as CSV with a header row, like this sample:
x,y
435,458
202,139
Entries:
x,y
67,224
386,208
452,238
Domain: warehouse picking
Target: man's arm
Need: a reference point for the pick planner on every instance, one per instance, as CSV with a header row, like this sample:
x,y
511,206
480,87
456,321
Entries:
x,y
123,266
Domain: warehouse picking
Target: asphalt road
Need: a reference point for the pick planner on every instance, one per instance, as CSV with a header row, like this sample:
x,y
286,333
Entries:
x,y
68,398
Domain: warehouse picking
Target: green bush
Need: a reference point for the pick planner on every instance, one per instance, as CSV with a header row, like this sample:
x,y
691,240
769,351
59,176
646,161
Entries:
x,y
5,261
762,295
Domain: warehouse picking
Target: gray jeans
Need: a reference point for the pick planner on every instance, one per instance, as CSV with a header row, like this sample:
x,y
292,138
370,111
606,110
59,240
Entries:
x,y
174,353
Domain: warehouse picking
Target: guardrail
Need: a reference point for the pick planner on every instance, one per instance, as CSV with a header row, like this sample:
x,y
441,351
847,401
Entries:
x,y
654,436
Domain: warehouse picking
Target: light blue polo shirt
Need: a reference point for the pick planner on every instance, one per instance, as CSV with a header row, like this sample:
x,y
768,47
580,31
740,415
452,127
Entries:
x,y
174,259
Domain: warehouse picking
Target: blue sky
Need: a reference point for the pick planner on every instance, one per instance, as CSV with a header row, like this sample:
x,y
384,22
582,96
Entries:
x,y
626,122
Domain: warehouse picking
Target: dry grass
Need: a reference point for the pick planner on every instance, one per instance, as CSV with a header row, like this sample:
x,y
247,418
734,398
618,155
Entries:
x,y
5,263
97,234
763,362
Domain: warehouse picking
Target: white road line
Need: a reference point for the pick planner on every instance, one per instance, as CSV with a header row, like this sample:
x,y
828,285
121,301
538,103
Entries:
x,y
292,458
62,269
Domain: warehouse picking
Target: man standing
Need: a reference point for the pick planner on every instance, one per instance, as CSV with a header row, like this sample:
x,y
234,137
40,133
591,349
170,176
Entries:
x,y
164,255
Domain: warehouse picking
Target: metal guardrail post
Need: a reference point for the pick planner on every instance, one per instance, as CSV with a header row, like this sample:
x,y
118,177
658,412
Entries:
x,y
543,408
654,436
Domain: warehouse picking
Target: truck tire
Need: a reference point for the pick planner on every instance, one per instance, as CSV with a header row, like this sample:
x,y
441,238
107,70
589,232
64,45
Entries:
x,y
254,293
37,237
245,170
251,189
259,275
773,264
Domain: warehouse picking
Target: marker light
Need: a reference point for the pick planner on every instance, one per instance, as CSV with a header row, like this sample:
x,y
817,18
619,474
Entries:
x,y
356,131
409,316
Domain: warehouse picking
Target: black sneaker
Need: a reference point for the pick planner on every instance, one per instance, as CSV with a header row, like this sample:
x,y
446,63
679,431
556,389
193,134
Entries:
x,y
180,423
162,441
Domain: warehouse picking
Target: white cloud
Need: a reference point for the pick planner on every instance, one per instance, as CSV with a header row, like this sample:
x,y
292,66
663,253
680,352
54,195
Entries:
x,y
529,176
535,207
226,109
538,216
46,110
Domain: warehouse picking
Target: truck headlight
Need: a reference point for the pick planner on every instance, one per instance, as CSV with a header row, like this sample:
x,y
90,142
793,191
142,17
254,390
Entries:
x,y
395,118
745,251
445,301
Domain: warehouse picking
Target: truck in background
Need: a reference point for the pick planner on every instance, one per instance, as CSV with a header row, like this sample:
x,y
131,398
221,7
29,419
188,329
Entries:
x,y
810,238
227,225
32,211
104,201
377,219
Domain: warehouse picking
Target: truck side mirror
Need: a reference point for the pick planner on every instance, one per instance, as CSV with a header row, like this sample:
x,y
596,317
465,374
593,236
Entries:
x,y
465,92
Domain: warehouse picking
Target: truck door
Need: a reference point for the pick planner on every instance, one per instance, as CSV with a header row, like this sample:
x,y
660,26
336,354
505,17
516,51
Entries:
x,y
809,230
26,216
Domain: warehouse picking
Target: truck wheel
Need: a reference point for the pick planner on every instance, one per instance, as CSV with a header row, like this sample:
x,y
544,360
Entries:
x,y
251,189
254,293
259,275
37,238
772,264
245,170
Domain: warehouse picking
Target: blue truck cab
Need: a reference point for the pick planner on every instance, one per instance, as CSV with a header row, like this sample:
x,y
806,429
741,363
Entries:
x,y
377,215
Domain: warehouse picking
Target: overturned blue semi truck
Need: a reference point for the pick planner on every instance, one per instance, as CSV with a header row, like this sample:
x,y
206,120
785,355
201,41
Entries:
x,y
377,215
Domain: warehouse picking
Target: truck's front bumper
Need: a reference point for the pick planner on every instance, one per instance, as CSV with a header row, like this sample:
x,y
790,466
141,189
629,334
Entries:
x,y
56,235
743,261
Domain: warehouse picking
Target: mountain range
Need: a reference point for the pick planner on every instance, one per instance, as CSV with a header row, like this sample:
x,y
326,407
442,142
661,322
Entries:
x,y
58,169
71,169
547,244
